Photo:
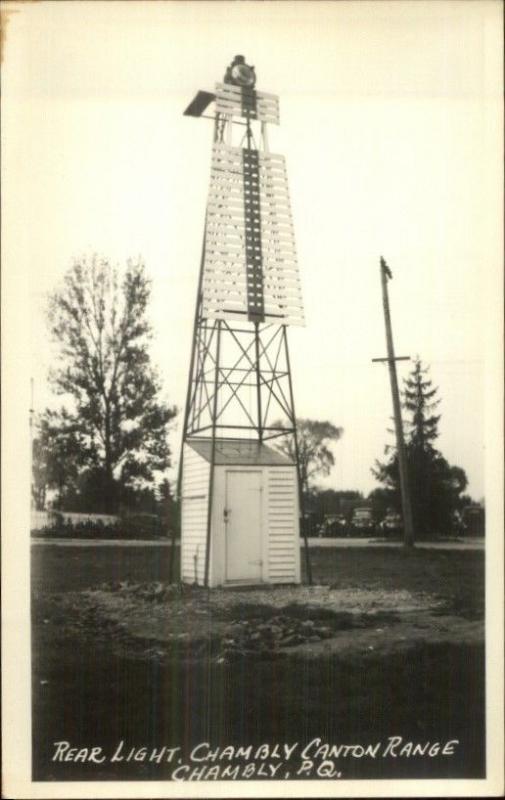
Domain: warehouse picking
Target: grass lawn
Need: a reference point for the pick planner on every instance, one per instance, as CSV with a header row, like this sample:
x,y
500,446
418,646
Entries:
x,y
116,657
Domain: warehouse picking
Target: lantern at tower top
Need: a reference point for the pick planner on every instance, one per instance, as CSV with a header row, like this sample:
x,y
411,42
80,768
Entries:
x,y
236,96
240,74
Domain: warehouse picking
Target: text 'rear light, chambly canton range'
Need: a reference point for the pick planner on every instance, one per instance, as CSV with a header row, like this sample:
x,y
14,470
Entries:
x,y
240,494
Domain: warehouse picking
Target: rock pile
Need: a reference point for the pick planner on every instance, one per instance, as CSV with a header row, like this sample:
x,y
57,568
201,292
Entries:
x,y
154,590
267,639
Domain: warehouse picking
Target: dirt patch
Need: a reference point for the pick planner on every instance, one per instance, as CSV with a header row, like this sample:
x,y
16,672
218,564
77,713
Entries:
x,y
158,621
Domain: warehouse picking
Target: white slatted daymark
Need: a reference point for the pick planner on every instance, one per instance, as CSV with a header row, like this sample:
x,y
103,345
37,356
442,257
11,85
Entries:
x,y
248,230
242,102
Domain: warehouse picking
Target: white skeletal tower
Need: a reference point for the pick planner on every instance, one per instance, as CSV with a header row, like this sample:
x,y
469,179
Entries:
x,y
240,392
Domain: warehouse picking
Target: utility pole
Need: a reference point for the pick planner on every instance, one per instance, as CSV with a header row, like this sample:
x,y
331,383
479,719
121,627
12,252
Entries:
x,y
408,526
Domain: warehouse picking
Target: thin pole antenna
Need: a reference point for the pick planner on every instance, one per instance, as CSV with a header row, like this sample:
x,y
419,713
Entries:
x,y
32,414
32,411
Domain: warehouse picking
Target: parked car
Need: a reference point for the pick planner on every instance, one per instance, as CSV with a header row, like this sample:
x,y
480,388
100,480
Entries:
x,y
333,525
362,520
392,523
474,520
457,524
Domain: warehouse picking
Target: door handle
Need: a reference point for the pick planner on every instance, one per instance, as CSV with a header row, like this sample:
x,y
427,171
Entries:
x,y
226,514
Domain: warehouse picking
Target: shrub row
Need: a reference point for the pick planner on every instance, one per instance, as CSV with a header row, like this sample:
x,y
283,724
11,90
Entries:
x,y
129,526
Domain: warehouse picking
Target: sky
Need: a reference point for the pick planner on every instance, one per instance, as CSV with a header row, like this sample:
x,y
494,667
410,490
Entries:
x,y
391,124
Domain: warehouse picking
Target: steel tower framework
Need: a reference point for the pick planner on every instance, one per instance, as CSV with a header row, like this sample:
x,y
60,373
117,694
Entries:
x,y
239,383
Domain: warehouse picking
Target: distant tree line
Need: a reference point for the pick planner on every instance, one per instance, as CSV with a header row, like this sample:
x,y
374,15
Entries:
x,y
105,448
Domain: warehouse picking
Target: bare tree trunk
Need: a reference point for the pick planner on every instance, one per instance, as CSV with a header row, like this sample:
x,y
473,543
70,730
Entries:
x,y
109,493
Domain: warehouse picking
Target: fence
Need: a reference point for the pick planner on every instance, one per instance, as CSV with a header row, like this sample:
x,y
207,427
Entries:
x,y
44,519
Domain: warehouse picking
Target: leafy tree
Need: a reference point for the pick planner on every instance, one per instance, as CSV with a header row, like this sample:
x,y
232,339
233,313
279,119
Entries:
x,y
112,419
435,486
314,441
56,457
380,501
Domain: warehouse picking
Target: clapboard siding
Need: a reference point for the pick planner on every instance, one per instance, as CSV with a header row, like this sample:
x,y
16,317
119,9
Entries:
x,y
279,530
195,489
283,548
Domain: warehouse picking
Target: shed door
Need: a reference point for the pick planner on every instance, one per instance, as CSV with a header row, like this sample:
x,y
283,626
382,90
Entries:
x,y
243,525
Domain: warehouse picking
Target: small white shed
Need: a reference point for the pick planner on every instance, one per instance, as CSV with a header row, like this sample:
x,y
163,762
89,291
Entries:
x,y
254,530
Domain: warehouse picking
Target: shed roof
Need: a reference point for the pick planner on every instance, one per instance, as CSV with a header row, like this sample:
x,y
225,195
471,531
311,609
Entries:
x,y
239,452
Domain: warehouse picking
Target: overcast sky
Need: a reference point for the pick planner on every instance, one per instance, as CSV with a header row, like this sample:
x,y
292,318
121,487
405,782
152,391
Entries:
x,y
391,126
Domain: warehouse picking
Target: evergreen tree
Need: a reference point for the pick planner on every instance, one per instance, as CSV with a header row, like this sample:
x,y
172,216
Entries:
x,y
435,486
419,400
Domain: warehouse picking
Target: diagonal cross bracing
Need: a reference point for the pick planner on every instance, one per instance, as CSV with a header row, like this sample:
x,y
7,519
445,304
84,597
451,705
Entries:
x,y
237,377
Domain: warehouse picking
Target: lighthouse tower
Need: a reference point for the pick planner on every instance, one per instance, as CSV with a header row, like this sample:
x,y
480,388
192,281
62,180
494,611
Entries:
x,y
240,496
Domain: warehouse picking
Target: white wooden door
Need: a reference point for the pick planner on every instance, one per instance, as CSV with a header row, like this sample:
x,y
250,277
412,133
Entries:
x,y
243,525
